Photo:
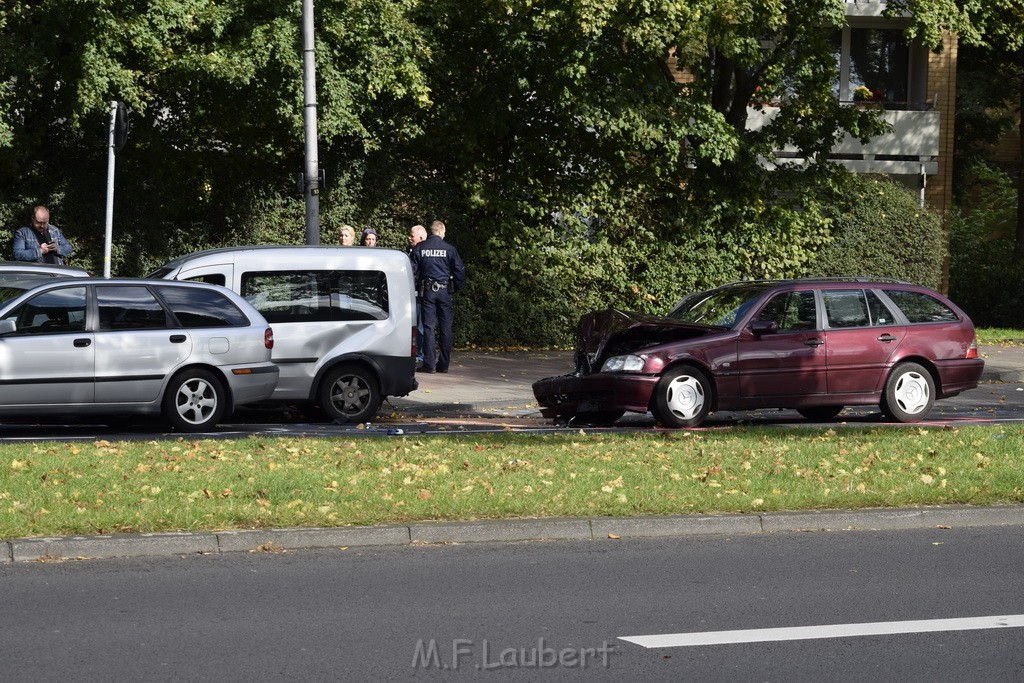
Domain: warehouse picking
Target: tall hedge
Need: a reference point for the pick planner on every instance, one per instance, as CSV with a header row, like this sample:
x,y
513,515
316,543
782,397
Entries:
x,y
879,230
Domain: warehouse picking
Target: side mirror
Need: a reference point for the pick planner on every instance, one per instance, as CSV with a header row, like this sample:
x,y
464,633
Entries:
x,y
7,326
759,327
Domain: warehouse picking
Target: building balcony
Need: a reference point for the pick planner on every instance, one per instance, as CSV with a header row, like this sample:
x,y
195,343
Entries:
x,y
911,148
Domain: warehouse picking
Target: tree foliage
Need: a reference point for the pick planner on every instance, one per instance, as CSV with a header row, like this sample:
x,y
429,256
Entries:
x,y
572,168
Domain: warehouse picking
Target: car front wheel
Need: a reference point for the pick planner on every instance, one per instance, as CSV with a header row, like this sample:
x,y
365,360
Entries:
x,y
820,412
350,393
682,398
600,418
909,393
195,401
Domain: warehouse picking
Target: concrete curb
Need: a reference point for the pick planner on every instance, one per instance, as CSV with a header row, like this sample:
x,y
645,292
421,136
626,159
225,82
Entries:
x,y
276,540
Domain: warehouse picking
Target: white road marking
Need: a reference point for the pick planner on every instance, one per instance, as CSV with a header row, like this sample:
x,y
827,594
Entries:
x,y
825,631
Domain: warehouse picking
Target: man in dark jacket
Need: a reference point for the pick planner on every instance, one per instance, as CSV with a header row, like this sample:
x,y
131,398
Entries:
x,y
439,272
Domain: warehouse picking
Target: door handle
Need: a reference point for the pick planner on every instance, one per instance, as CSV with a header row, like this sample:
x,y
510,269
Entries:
x,y
887,338
82,343
178,338
814,342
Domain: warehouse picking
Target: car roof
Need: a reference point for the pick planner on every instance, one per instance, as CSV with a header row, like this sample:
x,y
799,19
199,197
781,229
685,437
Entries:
x,y
47,268
822,280
304,249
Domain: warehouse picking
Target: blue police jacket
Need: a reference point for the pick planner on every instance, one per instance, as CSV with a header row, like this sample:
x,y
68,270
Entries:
x,y
435,259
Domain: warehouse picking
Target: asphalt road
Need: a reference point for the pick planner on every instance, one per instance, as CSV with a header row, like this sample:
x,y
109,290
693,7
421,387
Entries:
x,y
527,611
988,404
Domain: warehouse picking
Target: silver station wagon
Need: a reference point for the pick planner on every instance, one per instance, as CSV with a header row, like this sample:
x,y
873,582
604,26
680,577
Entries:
x,y
188,351
344,319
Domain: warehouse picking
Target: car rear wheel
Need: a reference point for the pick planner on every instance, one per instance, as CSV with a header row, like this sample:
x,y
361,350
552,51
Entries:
x,y
195,401
350,393
820,412
682,398
909,393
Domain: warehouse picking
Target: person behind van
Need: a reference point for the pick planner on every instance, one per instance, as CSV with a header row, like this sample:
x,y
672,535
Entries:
x,y
417,234
368,238
347,236
40,242
439,272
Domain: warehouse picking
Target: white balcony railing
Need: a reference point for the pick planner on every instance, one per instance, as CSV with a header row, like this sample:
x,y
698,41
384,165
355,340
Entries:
x,y
912,145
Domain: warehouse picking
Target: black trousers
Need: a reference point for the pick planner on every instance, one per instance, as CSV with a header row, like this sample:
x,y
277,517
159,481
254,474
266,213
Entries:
x,y
438,313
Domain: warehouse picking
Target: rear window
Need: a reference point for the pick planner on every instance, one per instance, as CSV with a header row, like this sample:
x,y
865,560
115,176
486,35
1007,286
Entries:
x,y
194,307
845,308
317,296
128,307
920,307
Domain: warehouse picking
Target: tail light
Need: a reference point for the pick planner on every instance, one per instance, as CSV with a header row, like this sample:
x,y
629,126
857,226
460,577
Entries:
x,y
268,338
972,350
415,351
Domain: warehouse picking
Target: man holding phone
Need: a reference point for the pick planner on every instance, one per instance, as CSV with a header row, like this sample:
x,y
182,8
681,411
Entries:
x,y
40,242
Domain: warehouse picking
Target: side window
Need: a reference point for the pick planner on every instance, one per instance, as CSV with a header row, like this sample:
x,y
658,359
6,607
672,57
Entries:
x,y
129,307
312,296
791,311
211,279
920,307
194,307
289,296
880,313
360,295
58,310
845,308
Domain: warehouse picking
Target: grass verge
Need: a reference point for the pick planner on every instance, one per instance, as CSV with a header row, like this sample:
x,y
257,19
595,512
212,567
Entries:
x,y
74,488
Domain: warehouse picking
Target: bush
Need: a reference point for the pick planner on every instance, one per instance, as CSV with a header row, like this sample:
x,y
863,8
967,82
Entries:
x,y
983,278
879,230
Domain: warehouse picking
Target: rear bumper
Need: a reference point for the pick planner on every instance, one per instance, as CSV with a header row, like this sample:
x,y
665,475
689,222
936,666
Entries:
x,y
398,374
572,394
958,375
255,385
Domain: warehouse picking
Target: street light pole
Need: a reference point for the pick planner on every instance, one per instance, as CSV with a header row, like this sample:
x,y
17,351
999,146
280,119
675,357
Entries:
x,y
312,166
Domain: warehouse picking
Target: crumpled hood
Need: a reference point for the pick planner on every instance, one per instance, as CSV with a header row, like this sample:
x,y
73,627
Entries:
x,y
612,331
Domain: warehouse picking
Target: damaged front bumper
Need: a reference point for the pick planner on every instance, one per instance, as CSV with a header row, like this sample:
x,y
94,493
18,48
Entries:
x,y
568,395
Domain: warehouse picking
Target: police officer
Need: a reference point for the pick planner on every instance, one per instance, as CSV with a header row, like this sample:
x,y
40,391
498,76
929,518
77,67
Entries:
x,y
439,272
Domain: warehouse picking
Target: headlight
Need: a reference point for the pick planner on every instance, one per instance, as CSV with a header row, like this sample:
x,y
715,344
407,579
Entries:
x,y
623,364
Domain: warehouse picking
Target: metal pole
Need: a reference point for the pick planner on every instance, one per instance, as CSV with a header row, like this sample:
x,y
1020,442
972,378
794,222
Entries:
x,y
312,175
110,192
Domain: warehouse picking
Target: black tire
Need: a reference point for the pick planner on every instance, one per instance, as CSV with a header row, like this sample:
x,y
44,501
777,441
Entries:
x,y
820,412
600,418
195,401
350,393
682,398
909,393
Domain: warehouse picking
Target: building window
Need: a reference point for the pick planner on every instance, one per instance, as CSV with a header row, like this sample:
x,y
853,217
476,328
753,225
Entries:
x,y
879,64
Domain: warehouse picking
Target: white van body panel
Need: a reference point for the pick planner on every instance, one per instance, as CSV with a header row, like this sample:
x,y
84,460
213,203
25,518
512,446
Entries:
x,y
307,346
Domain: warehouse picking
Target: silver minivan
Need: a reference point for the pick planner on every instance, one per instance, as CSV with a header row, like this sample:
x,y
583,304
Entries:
x,y
344,319
188,351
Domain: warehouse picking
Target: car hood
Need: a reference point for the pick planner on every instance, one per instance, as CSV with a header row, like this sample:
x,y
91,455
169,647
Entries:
x,y
611,332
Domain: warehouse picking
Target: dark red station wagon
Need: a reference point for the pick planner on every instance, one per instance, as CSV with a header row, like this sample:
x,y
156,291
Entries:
x,y
814,345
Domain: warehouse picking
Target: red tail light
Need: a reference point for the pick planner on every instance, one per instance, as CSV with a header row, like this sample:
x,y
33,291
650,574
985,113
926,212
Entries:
x,y
415,351
972,350
268,338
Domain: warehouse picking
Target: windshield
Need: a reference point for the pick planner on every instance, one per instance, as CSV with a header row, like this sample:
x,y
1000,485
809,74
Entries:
x,y
722,307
